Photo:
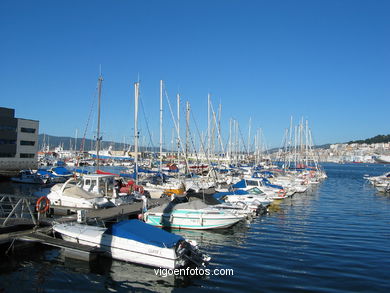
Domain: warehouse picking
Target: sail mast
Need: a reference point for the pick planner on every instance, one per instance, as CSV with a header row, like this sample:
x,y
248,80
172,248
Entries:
x,y
98,121
161,122
136,134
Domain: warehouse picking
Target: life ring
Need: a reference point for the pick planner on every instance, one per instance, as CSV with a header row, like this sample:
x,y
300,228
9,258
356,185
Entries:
x,y
43,205
139,189
281,193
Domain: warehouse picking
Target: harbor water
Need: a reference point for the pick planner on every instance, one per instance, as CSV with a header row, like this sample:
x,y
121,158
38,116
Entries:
x,y
333,238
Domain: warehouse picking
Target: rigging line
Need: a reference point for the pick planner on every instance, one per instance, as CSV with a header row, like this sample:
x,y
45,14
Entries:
x,y
242,138
89,118
177,131
202,144
147,124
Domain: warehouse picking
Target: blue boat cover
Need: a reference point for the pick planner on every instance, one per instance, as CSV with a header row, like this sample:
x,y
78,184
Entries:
x,y
218,195
81,171
268,183
127,175
240,184
145,233
44,172
61,171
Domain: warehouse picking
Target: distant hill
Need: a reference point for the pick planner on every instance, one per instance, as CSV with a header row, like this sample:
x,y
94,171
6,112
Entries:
x,y
68,143
376,139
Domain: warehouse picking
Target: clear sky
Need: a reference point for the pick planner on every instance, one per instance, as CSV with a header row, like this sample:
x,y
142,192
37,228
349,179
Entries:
x,y
325,60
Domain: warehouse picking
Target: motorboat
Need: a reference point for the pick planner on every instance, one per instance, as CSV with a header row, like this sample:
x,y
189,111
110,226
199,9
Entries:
x,y
30,176
253,197
190,215
137,242
89,191
273,191
382,159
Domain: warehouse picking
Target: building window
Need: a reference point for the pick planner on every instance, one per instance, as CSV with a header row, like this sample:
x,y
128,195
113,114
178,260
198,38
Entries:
x,y
27,142
27,155
7,141
27,130
7,155
6,127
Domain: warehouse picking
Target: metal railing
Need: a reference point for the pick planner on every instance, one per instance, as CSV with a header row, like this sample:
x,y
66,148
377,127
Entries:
x,y
17,206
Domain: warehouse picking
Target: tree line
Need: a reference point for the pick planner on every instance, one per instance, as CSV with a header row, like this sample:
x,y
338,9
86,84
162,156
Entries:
x,y
376,139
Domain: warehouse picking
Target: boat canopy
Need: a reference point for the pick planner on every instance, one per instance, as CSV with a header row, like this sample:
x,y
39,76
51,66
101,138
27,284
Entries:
x,y
62,171
145,233
171,206
240,184
269,184
218,195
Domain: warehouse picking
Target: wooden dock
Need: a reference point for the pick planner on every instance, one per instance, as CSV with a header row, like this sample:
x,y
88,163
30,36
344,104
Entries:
x,y
16,226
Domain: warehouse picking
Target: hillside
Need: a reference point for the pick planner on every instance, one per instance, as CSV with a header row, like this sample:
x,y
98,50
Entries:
x,y
89,144
376,139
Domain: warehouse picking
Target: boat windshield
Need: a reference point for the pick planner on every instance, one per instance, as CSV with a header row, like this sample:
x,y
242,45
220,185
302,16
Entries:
x,y
255,190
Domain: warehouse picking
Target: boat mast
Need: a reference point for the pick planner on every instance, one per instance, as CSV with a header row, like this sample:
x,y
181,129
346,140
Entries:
x,y
249,135
178,131
208,127
187,131
136,134
98,138
161,122
230,141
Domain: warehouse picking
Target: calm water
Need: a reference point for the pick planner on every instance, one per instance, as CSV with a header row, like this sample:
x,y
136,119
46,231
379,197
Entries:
x,y
335,238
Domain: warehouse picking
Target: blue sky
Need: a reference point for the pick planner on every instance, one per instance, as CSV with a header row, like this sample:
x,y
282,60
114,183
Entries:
x,y
327,61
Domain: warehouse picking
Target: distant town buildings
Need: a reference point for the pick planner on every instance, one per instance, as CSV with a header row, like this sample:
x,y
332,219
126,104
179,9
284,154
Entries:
x,y
18,142
358,153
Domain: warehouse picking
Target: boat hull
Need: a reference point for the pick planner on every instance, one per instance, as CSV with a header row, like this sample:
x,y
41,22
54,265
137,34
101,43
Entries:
x,y
121,248
194,221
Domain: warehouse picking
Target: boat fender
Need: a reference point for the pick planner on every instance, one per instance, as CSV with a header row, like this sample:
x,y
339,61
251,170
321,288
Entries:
x,y
140,217
139,189
281,193
43,205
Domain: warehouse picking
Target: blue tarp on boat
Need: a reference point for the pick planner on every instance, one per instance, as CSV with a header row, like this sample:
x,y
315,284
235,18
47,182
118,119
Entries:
x,y
218,195
268,183
145,233
62,171
82,171
44,172
240,184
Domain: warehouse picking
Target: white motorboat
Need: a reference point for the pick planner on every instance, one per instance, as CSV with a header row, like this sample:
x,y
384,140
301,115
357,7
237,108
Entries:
x,y
251,197
382,159
136,242
191,215
383,186
89,191
273,191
